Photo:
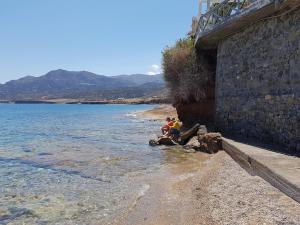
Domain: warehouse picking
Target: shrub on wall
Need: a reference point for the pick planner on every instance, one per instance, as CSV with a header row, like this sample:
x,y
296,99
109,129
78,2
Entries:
x,y
188,74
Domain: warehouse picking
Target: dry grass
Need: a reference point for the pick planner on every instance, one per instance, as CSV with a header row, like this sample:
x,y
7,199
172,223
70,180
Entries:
x,y
188,73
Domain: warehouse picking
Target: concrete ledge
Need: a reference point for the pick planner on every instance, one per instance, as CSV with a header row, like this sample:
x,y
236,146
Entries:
x,y
281,171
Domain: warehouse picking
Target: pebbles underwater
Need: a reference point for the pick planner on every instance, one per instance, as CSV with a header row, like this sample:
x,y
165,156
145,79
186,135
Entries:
x,y
74,164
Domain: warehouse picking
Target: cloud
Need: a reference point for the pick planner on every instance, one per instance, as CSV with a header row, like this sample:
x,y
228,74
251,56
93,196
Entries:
x,y
154,69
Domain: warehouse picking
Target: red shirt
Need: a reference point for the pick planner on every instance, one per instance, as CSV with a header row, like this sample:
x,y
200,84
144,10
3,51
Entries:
x,y
170,124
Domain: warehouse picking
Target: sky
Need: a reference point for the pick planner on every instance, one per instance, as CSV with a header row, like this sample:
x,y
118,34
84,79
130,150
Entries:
x,y
108,37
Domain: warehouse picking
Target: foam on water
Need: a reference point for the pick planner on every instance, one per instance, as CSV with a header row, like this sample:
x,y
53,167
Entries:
x,y
143,191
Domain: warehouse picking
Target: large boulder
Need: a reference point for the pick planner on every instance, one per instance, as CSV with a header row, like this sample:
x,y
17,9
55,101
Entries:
x,y
210,142
205,142
193,144
202,130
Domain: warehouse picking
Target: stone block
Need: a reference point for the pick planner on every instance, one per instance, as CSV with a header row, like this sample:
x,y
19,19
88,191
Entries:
x,y
258,81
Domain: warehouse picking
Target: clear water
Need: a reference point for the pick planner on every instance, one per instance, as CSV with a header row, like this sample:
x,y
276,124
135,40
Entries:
x,y
73,164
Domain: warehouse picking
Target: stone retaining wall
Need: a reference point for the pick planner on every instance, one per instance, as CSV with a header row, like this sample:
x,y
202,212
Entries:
x,y
258,81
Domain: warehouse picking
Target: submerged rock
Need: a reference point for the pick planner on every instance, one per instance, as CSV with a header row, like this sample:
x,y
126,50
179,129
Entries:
x,y
189,150
162,141
153,142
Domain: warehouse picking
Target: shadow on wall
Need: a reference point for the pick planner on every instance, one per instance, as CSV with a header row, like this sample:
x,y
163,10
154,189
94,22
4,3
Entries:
x,y
198,112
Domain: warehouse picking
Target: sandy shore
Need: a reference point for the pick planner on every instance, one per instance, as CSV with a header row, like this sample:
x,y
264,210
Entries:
x,y
210,189
159,112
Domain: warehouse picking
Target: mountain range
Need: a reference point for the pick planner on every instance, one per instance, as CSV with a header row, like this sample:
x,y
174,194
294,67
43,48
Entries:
x,y
58,84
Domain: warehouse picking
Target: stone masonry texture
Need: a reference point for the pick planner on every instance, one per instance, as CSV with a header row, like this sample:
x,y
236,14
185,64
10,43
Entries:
x,y
258,82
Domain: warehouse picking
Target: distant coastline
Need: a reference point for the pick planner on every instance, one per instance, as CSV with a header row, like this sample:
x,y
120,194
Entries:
x,y
82,87
134,101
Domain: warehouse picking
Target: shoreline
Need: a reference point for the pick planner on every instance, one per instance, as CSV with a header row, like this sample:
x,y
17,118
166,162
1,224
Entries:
x,y
209,189
159,112
133,101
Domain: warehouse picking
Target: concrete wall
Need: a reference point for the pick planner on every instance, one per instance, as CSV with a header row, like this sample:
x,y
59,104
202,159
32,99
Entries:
x,y
258,81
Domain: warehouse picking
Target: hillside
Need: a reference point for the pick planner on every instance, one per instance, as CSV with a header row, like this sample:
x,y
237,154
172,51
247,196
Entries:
x,y
82,84
140,79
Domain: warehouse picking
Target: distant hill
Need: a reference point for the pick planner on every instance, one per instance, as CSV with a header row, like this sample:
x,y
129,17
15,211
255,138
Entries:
x,y
81,84
139,79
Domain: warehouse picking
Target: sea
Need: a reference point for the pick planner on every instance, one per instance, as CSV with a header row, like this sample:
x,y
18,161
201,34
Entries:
x,y
75,164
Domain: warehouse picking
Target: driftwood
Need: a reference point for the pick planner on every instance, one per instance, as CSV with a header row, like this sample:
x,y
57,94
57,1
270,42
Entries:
x,y
186,136
183,139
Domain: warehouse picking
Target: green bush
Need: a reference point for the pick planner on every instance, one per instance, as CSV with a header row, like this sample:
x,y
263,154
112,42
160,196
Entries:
x,y
187,73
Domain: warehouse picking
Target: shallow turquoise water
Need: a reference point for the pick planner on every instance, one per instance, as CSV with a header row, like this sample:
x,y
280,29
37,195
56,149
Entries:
x,y
73,164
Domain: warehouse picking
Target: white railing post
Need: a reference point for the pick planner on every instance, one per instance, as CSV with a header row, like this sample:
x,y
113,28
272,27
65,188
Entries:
x,y
208,4
200,8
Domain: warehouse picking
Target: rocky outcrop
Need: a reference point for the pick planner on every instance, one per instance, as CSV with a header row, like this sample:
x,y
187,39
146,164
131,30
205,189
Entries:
x,y
190,78
193,144
206,142
210,142
198,139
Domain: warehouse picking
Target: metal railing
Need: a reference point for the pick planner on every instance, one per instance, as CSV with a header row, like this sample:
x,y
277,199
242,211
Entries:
x,y
220,12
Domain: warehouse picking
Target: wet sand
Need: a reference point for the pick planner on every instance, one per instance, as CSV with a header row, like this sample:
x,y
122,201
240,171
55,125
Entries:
x,y
210,189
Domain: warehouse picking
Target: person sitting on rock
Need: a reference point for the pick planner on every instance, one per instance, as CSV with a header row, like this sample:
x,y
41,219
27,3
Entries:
x,y
174,132
165,129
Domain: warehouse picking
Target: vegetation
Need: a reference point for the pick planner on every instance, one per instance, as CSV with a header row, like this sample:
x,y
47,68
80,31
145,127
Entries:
x,y
188,74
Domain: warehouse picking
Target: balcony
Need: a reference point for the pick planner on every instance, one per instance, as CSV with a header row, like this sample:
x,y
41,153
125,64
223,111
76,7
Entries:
x,y
225,18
